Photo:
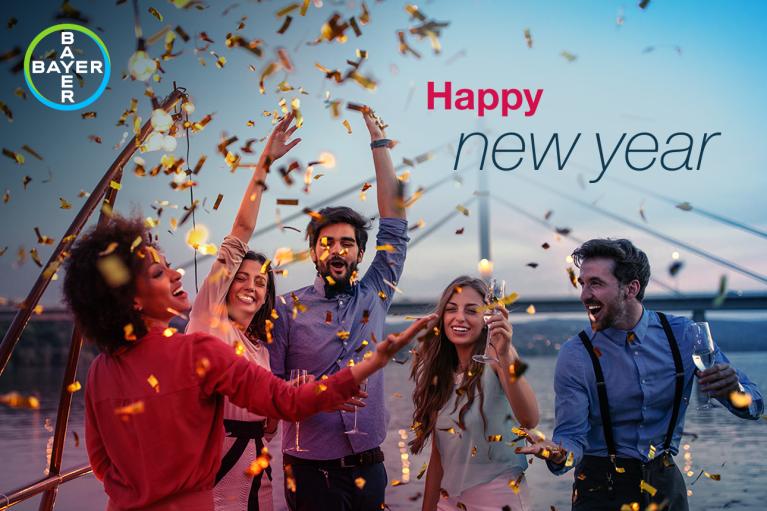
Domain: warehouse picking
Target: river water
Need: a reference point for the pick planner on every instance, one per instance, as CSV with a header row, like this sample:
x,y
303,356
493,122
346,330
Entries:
x,y
725,444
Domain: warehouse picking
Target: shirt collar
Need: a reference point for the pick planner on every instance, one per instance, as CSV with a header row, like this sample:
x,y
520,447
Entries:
x,y
321,289
618,336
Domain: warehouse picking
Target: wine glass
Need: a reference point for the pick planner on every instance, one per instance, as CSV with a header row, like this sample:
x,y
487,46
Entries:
x,y
702,351
297,378
355,430
494,295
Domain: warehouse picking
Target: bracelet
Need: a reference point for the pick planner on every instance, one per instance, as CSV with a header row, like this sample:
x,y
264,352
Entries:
x,y
381,142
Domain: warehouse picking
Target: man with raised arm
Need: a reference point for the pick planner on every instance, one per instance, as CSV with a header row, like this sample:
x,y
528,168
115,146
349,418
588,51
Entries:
x,y
622,389
330,324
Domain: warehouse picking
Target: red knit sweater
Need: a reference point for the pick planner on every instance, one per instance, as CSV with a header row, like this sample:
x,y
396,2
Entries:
x,y
154,412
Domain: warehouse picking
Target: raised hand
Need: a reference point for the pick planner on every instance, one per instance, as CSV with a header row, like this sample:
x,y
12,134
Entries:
x,y
542,448
374,124
279,143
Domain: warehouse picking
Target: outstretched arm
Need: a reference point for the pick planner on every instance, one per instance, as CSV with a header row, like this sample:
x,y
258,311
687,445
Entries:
x,y
276,146
389,200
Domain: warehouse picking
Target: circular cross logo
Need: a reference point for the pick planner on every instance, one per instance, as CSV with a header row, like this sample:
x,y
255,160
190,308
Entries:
x,y
58,69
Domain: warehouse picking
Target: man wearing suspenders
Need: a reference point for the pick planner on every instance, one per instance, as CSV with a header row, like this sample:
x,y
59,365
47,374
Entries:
x,y
622,389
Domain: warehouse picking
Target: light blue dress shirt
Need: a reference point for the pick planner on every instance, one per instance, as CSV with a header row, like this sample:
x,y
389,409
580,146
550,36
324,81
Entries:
x,y
639,378
311,341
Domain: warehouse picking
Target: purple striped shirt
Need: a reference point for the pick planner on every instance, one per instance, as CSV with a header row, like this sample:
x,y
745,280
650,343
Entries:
x,y
316,340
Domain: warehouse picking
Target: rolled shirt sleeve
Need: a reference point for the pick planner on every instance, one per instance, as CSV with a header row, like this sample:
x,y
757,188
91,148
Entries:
x,y
756,408
388,262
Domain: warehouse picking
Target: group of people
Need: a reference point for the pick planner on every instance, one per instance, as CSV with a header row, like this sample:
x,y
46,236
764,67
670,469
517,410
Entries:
x,y
180,420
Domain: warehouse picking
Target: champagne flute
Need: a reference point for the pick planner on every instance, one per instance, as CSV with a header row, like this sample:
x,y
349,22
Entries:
x,y
297,378
355,430
702,351
494,295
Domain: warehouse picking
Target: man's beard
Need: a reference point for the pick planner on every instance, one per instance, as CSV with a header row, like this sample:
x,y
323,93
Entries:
x,y
333,285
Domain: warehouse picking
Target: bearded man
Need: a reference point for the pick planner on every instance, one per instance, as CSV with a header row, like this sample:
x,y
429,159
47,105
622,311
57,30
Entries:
x,y
330,324
622,389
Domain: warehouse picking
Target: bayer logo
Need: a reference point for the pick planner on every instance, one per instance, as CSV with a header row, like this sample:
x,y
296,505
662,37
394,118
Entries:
x,y
67,67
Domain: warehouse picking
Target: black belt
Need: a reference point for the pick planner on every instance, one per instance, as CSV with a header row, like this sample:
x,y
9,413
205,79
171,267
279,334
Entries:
x,y
370,457
631,466
244,432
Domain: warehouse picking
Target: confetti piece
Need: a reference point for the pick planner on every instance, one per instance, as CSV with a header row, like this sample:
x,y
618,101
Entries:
x,y
461,209
131,409
285,25
570,57
16,400
397,482
113,270
360,482
201,367
169,332
74,387
647,487
675,267
88,115
684,206
153,382
128,332
740,399
528,38
154,12
721,294
495,438
347,126
287,202
17,157
572,277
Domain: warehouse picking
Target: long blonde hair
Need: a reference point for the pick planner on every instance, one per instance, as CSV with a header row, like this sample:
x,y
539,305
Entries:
x,y
434,365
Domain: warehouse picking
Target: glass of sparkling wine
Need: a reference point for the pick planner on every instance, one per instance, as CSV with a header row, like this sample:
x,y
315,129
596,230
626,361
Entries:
x,y
355,430
702,351
297,378
495,293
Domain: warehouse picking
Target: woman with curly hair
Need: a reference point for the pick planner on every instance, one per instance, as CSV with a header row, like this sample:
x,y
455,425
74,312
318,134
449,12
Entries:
x,y
235,303
468,409
154,397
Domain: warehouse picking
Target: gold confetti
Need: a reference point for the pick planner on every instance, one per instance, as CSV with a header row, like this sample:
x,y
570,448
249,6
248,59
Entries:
x,y
169,332
347,126
570,57
572,277
495,438
530,309
422,471
154,12
153,382
128,333
16,400
64,204
360,482
17,157
740,399
113,270
239,348
88,115
201,367
131,409
397,482
528,38
74,387
461,209
647,487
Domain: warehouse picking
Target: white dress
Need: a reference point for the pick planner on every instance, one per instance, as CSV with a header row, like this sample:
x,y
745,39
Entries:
x,y
209,315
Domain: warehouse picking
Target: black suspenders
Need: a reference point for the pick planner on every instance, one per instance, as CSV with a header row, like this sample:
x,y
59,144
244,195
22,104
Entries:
x,y
604,408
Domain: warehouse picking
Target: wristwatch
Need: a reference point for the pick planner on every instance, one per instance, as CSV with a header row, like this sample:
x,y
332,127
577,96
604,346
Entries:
x,y
381,142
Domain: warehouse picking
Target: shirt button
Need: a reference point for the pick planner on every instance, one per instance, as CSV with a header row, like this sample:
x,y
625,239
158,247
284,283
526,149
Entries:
x,y
340,302
644,381
636,353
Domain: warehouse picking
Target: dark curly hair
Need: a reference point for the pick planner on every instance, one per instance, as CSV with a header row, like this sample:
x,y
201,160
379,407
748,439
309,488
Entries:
x,y
257,328
100,282
339,215
630,262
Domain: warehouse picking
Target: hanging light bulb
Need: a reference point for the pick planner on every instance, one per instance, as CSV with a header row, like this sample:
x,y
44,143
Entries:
x,y
141,66
161,120
153,143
